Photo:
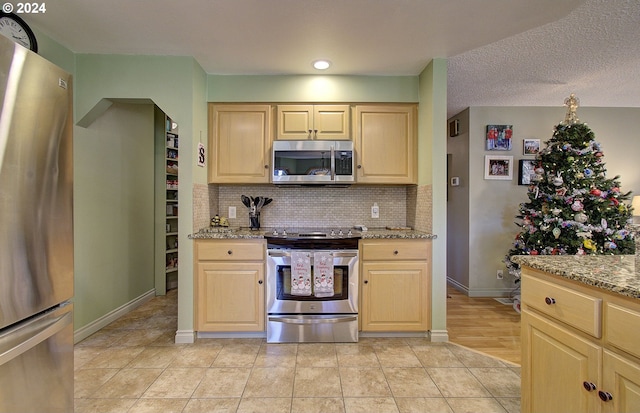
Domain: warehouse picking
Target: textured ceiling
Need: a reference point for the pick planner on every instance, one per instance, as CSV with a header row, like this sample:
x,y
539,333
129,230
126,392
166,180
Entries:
x,y
594,52
501,52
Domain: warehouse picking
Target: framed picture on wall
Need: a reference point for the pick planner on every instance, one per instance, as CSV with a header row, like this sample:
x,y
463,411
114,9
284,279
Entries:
x,y
498,167
531,146
499,137
526,169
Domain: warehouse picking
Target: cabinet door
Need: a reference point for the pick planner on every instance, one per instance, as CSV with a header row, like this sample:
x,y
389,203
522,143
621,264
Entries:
x,y
322,122
386,144
395,296
621,379
331,122
230,296
239,143
294,122
555,365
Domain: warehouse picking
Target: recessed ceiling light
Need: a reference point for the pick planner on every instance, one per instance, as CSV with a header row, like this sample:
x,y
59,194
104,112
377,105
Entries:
x,y
321,64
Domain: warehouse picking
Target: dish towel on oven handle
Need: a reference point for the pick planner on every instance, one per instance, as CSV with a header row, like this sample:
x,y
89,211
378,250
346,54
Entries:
x,y
300,273
323,274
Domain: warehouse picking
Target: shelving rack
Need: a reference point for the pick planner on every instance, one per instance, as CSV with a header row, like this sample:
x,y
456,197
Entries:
x,y
167,173
172,172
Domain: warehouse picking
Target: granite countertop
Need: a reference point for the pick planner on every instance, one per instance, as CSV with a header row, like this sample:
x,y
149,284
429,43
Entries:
x,y
228,233
376,233
615,273
246,233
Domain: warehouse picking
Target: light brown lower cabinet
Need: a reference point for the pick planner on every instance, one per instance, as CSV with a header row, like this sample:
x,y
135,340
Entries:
x,y
580,347
229,287
395,285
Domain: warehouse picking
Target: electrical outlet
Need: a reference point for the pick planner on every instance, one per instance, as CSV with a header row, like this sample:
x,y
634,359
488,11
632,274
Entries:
x,y
232,212
499,274
375,210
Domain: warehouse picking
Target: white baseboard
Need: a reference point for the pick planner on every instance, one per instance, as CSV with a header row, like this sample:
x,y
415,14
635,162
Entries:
x,y
480,293
439,336
185,337
84,332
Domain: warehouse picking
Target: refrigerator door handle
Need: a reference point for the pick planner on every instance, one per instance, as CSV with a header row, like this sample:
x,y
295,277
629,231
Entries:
x,y
39,333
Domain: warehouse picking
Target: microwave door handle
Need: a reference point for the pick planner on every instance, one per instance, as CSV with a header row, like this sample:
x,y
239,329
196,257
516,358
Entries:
x,y
333,163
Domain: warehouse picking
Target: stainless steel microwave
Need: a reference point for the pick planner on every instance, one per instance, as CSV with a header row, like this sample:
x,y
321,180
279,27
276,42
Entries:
x,y
312,162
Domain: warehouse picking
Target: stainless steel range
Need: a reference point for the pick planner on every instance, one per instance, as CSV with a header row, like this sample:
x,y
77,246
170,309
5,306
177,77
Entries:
x,y
312,285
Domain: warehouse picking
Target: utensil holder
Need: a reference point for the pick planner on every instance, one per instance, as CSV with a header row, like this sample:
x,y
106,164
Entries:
x,y
254,221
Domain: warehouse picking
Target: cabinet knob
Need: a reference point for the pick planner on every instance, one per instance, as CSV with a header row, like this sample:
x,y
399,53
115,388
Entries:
x,y
550,300
260,282
395,252
229,252
605,396
588,386
359,166
315,134
309,136
366,281
266,167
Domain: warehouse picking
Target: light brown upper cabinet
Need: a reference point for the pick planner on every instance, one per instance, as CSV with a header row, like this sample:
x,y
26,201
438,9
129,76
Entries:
x,y
321,122
386,144
239,143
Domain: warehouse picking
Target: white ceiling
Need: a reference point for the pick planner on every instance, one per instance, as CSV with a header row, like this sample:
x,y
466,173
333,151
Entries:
x,y
500,52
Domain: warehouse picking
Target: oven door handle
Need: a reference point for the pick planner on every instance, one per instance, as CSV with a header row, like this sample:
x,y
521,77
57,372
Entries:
x,y
333,253
313,319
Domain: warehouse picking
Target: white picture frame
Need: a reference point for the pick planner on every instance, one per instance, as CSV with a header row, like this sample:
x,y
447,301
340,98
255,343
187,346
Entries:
x,y
497,167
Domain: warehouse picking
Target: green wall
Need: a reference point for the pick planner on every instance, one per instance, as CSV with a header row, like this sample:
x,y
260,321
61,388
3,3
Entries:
x,y
432,164
175,85
113,211
312,88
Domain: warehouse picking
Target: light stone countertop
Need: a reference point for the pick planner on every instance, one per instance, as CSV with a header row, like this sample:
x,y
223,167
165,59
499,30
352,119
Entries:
x,y
246,233
615,273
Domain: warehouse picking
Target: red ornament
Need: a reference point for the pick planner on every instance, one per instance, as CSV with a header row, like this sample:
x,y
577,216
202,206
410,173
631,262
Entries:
x,y
595,192
614,201
534,252
615,189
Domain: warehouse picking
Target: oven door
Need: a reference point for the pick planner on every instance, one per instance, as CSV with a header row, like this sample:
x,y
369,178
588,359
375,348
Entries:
x,y
281,301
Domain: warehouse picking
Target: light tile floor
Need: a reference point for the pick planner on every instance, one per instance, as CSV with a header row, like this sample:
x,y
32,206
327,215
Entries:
x,y
133,366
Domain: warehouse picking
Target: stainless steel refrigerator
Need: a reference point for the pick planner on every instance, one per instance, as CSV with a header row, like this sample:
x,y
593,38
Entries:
x,y
36,233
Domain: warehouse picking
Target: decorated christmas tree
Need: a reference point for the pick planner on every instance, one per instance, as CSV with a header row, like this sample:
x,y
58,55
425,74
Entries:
x,y
573,208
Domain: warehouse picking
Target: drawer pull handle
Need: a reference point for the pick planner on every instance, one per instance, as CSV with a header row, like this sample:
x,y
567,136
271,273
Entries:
x,y
395,252
260,282
605,396
588,386
550,300
366,281
229,252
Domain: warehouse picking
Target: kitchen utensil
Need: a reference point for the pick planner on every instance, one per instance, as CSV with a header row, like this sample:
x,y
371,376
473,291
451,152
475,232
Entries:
x,y
246,201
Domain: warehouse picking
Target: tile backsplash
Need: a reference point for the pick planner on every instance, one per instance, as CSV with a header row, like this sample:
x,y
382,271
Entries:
x,y
318,206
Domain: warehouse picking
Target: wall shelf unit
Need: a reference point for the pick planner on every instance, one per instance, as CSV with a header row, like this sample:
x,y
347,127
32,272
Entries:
x,y
167,179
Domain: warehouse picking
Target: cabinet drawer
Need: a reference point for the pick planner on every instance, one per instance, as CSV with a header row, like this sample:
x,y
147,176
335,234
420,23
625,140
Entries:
x,y
574,308
622,328
230,250
385,250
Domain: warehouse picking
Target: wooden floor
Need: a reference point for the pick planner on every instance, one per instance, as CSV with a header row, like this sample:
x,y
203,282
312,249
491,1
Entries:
x,y
483,324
